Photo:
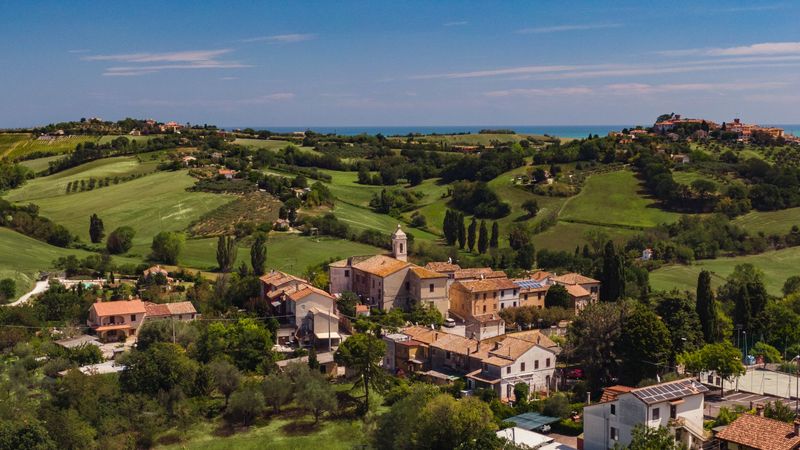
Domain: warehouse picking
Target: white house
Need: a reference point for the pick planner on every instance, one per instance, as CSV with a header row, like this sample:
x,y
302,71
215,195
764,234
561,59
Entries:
x,y
530,360
676,405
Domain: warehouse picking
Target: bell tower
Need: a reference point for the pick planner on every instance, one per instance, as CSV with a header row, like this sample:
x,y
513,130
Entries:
x,y
400,244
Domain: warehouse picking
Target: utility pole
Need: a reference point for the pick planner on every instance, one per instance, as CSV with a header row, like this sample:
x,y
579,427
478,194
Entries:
x,y
329,328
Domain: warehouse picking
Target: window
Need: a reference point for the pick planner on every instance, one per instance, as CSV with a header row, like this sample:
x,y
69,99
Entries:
x,y
613,409
673,411
347,274
133,317
447,354
522,367
503,293
526,296
514,304
476,296
502,306
484,308
536,364
614,436
401,247
711,379
656,414
373,283
408,286
547,362
508,369
430,287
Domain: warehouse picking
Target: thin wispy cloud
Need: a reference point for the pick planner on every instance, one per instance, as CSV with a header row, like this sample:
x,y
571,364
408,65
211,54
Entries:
x,y
751,8
636,89
282,38
567,27
457,23
760,49
147,62
79,50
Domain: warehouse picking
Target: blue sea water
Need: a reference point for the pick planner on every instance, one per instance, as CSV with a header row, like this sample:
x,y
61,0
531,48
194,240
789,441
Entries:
x,y
570,131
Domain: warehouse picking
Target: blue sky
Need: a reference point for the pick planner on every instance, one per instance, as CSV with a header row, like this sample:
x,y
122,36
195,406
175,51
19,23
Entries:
x,y
304,63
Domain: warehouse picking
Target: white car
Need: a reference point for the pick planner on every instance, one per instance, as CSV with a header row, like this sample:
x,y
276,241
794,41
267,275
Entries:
x,y
449,323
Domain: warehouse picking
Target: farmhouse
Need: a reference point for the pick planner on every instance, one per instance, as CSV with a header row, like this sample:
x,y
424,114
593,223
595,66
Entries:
x,y
177,311
385,282
228,174
116,320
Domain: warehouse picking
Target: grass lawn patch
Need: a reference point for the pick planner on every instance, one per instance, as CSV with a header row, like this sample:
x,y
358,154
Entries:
x,y
54,146
769,222
40,164
271,144
615,198
686,177
566,235
107,139
776,265
8,141
360,219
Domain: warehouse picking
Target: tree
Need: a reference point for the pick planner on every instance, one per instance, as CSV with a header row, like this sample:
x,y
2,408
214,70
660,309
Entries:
x,y
645,438
445,422
473,225
769,353
258,254
96,231
526,256
557,296
161,367
277,390
531,206
483,238
225,377
8,289
462,231
363,353
494,240
723,358
791,285
592,339
246,404
120,240
613,275
706,306
316,395
518,236
745,288
226,253
521,393
779,411
167,246
644,346
677,311
450,227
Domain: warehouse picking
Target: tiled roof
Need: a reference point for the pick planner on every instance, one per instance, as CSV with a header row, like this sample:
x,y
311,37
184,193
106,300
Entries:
x,y
438,266
457,344
536,337
574,278
119,307
156,309
304,291
610,393
540,275
277,278
576,290
155,269
761,433
181,308
422,334
424,273
477,272
381,265
491,284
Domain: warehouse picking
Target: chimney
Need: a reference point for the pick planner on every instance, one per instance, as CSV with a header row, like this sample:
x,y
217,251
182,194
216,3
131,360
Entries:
x,y
497,345
760,410
796,424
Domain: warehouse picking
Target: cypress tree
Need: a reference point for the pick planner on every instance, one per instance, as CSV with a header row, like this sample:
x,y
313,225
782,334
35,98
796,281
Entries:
x,y
450,228
473,226
258,254
613,276
462,230
226,253
494,240
96,229
706,307
483,238
742,310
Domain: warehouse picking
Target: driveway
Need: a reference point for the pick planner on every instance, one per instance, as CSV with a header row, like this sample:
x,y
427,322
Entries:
x,y
40,287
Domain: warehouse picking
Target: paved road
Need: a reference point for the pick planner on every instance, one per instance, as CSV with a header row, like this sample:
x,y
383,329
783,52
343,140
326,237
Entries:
x,y
745,399
40,287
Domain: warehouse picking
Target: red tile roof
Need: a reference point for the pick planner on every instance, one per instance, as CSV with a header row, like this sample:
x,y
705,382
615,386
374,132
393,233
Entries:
x,y
156,309
574,278
119,307
761,433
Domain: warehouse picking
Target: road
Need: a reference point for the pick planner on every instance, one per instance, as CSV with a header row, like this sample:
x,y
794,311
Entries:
x,y
40,287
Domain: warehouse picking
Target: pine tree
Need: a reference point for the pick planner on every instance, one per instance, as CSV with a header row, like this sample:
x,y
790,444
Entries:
x,y
483,238
258,254
226,253
706,306
473,227
96,229
494,240
613,277
462,231
449,227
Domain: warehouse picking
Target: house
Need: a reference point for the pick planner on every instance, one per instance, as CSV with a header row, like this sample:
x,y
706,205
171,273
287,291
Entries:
x,y
484,326
472,298
582,290
405,355
116,320
676,405
532,292
756,432
681,158
327,365
281,225
647,254
228,174
188,160
135,132
309,311
177,310
390,281
514,360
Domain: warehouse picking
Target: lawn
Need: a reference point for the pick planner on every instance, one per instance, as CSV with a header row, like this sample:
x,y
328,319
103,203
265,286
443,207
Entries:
x,y
615,199
360,219
566,235
21,257
55,185
770,222
57,146
107,139
287,252
40,164
686,177
153,203
776,265
270,144
10,140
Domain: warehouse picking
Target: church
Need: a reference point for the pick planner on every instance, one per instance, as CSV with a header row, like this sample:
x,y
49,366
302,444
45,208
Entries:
x,y
390,281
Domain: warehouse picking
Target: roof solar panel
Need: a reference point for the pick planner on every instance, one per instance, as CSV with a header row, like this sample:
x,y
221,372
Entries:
x,y
528,284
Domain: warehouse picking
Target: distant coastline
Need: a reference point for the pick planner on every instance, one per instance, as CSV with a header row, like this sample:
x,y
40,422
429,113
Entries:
x,y
567,131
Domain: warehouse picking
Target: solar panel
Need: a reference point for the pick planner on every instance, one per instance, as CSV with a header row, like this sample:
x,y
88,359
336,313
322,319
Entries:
x,y
528,284
669,391
532,421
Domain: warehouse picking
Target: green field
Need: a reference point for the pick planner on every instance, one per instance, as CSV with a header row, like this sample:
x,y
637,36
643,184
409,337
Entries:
x,y
55,185
270,144
360,219
8,141
107,139
287,252
615,198
776,265
22,257
567,235
686,177
56,147
40,164
770,222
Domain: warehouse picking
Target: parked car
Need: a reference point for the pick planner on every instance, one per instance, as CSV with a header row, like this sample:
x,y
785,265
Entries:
x,y
449,323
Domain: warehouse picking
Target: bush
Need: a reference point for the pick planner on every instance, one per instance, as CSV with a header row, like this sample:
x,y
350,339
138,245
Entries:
x,y
567,427
120,240
557,405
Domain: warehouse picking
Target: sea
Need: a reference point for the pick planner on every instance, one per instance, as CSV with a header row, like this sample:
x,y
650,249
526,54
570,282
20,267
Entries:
x,y
565,131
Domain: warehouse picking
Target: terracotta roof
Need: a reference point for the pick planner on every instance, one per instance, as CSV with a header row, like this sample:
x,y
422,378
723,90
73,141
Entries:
x,y
340,263
277,278
491,284
574,278
485,318
119,307
540,275
156,309
761,433
306,290
476,273
610,393
155,269
362,308
536,337
457,344
424,273
577,291
381,265
438,266
181,308
422,334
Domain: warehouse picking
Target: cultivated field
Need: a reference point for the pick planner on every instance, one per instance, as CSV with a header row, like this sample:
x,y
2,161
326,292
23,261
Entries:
x,y
8,141
270,144
107,139
776,265
40,164
56,146
770,222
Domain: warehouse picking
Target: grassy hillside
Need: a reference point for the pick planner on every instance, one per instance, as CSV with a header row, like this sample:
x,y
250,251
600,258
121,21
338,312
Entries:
x,y
776,265
615,199
270,144
40,164
55,147
55,185
140,139
769,222
566,235
9,141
